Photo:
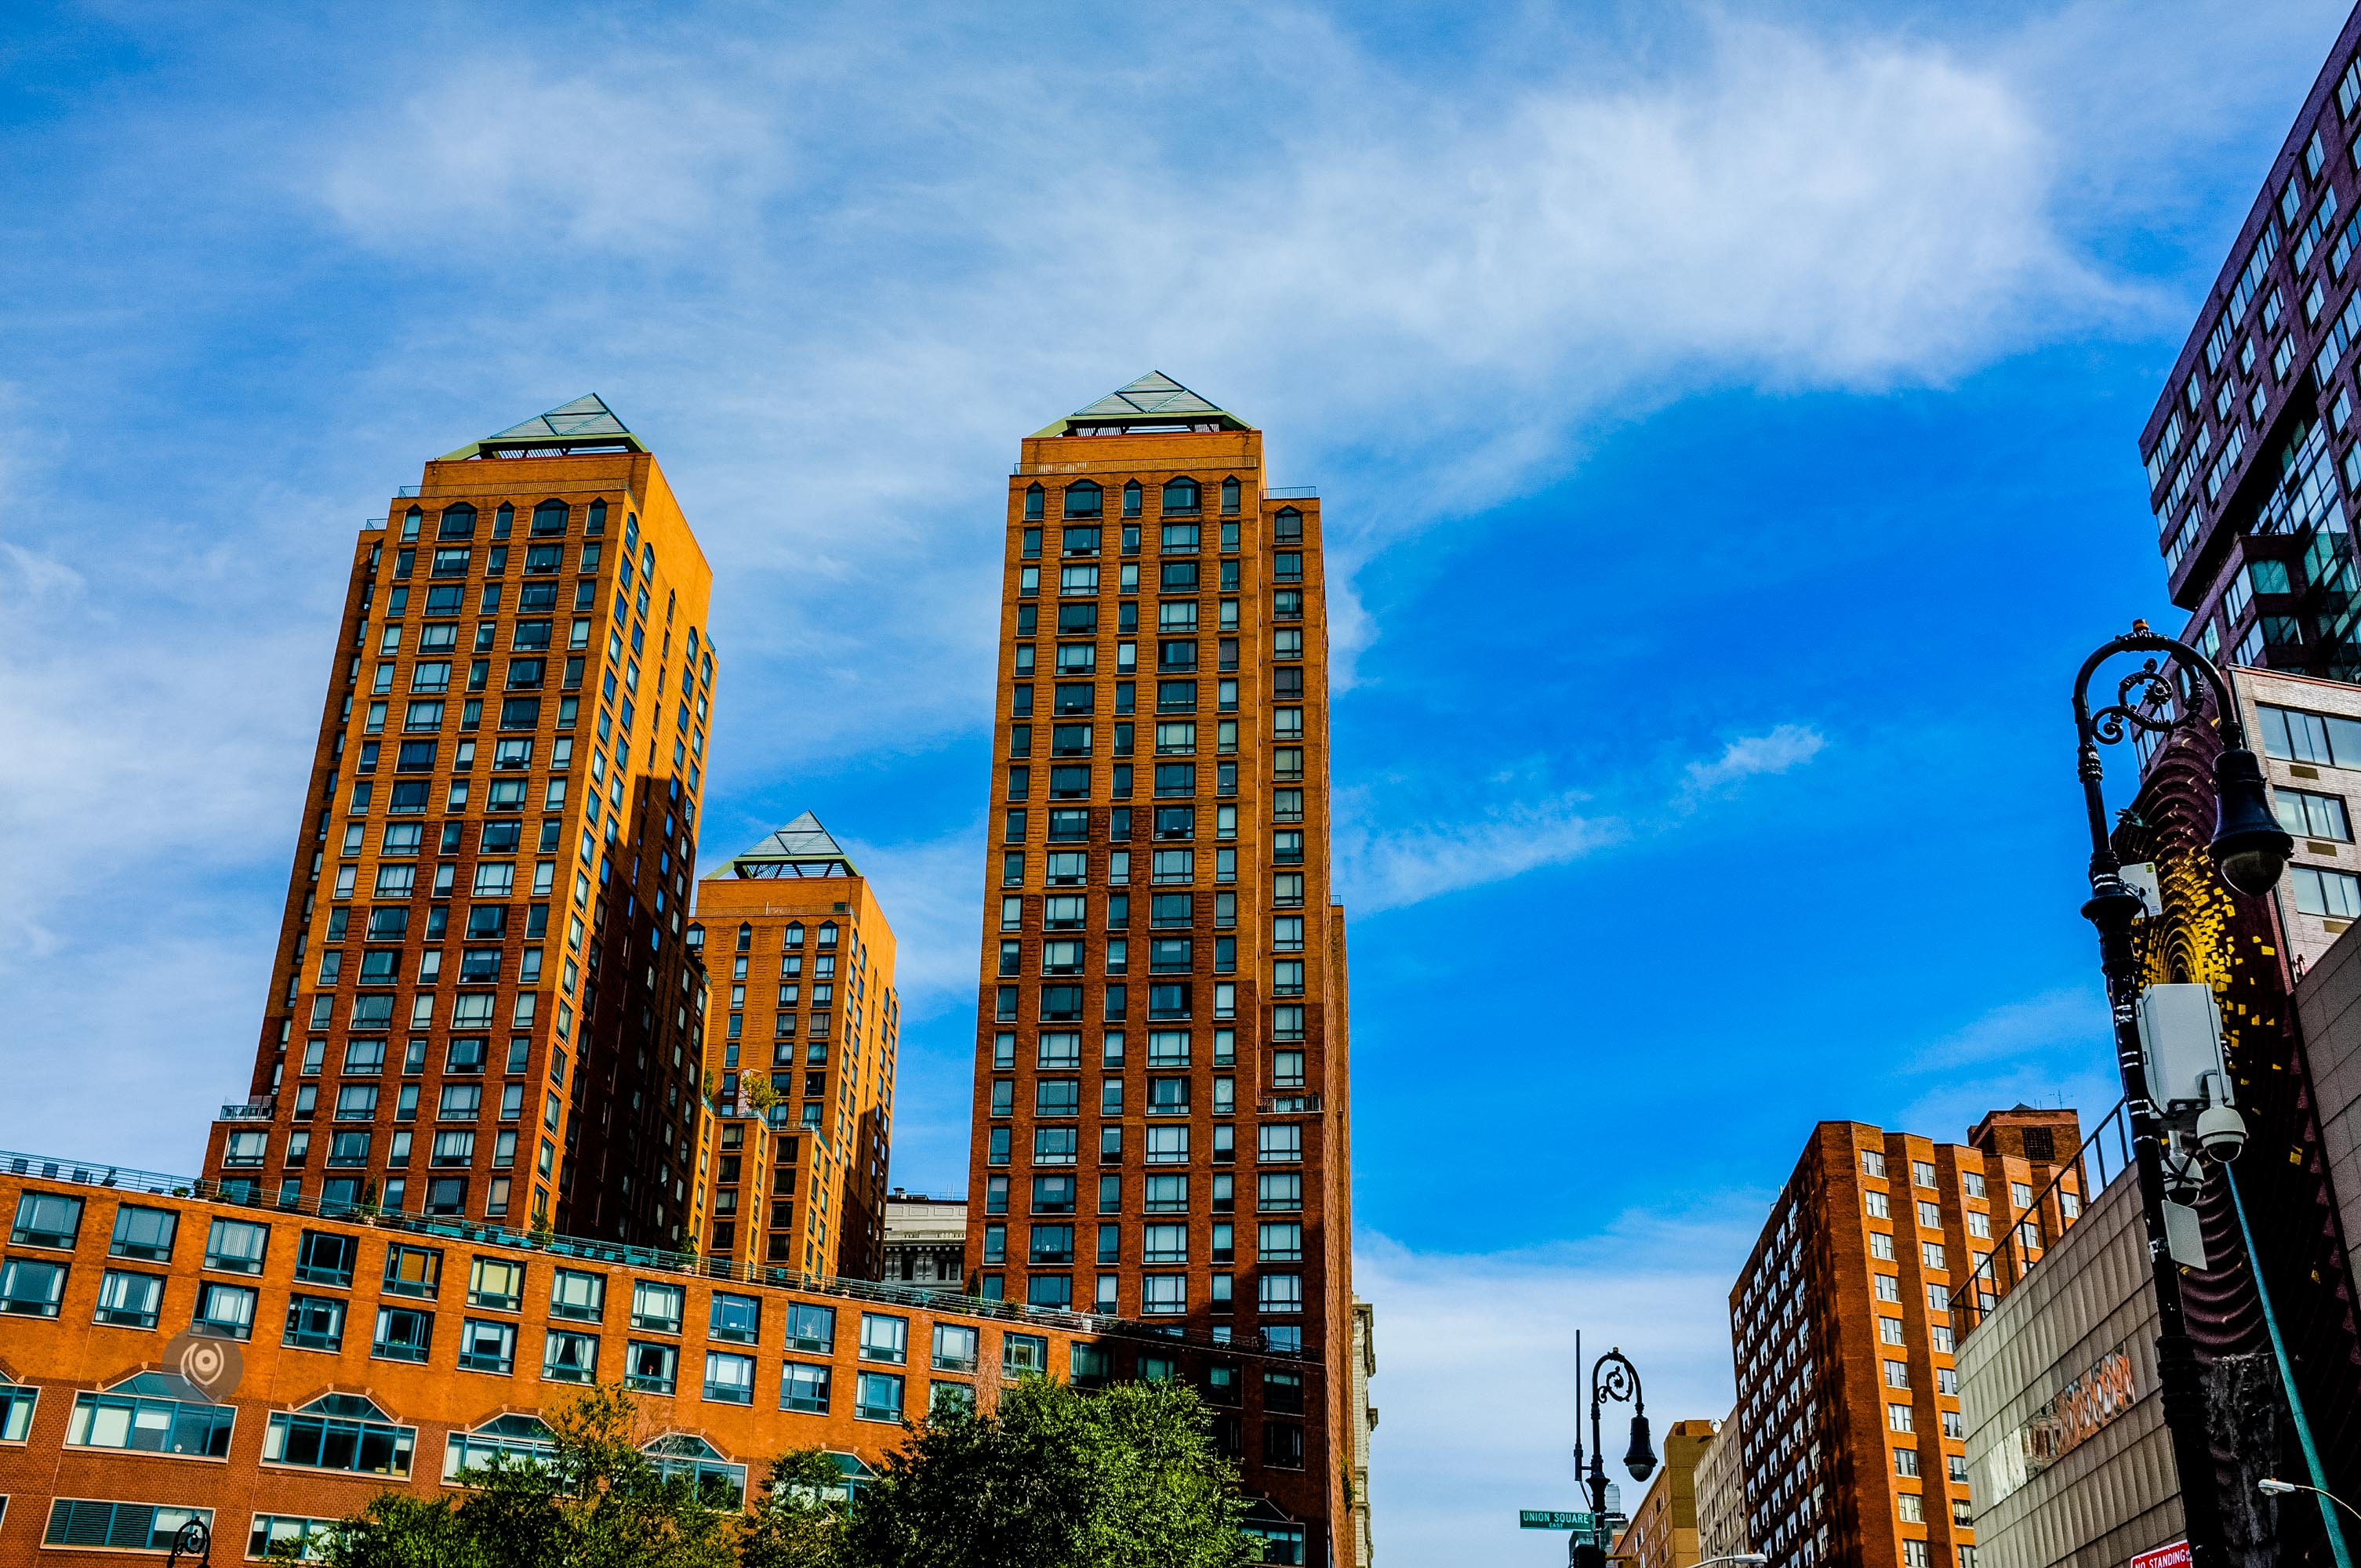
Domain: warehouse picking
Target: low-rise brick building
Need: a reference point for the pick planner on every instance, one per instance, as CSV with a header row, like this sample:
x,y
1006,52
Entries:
x,y
166,1355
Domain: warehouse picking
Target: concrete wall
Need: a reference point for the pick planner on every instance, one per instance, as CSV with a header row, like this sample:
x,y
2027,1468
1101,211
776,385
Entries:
x,y
2325,1003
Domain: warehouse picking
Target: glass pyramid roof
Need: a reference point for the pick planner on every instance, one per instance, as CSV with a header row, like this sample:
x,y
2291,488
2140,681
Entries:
x,y
585,424
802,848
1155,402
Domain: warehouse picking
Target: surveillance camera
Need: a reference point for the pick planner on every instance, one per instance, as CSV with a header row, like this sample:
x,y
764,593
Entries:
x,y
2221,1133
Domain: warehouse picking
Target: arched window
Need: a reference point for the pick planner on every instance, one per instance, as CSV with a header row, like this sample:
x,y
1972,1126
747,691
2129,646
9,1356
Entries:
x,y
517,1436
1230,497
502,520
745,937
549,517
457,522
409,522
648,561
630,534
1181,495
1289,525
1084,499
598,523
719,1483
794,937
827,933
1035,495
1131,494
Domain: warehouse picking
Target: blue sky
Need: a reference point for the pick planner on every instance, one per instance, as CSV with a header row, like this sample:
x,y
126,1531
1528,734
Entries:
x,y
1725,418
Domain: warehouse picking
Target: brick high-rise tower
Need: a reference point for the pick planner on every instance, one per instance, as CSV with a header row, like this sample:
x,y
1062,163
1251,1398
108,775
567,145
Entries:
x,y
802,1023
484,1004
1844,1335
1160,1127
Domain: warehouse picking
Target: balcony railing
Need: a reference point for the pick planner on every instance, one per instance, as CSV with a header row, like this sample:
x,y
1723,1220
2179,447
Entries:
x,y
253,1110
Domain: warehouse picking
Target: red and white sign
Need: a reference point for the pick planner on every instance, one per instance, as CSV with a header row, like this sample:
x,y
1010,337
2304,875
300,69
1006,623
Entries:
x,y
2173,1556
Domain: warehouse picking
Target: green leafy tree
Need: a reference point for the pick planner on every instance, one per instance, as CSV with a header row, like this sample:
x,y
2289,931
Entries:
x,y
799,1522
1057,1478
595,1501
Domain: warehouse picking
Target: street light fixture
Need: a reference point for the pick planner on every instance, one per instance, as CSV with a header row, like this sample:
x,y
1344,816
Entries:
x,y
2249,850
2271,1486
1614,1379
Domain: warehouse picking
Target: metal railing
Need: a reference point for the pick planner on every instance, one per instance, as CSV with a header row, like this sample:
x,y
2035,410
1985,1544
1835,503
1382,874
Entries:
x,y
126,1178
252,1110
2107,1154
1292,493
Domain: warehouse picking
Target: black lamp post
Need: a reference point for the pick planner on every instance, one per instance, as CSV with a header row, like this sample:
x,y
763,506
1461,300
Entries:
x,y
2250,851
1612,1378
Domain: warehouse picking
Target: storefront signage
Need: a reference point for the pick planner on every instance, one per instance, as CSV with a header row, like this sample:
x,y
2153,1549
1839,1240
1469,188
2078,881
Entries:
x,y
2071,1417
2173,1556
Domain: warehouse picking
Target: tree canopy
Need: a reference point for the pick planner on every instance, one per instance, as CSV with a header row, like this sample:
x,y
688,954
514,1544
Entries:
x,y
1051,1477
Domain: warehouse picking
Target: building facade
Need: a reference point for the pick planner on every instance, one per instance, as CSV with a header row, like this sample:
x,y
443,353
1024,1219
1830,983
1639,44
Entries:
x,y
925,1239
1664,1530
1160,1127
1720,1482
2068,1463
2250,448
802,1025
483,1003
167,1355
1854,1444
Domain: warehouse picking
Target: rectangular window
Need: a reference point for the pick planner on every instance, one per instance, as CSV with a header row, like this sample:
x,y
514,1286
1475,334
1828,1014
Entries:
x,y
576,1295
124,1527
877,1397
486,1347
403,1334
129,1300
2331,894
145,1234
46,1219
2308,814
729,1378
811,1328
887,1338
314,1322
650,1366
656,1307
569,1357
236,1247
804,1388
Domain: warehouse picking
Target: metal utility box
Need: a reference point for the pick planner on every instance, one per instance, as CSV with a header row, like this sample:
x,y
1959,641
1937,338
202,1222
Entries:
x,y
2181,1042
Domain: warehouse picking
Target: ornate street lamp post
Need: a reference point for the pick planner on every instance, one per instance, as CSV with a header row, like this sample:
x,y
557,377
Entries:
x,y
2250,851
1612,1378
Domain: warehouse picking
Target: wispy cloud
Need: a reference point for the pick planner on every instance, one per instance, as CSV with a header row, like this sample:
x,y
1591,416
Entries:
x,y
1750,756
2052,1049
1385,867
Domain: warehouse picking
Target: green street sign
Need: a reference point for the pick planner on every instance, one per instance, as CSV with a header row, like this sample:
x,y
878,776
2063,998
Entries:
x,y
1556,1519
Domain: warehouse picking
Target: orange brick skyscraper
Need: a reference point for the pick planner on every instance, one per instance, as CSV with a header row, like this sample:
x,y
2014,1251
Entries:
x,y
803,1006
484,1004
1161,1103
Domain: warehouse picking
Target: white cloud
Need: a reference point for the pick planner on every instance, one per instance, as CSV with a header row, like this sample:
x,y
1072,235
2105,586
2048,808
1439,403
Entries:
x,y
2053,1050
1475,1388
932,892
1776,751
1386,868
1382,869
1430,292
